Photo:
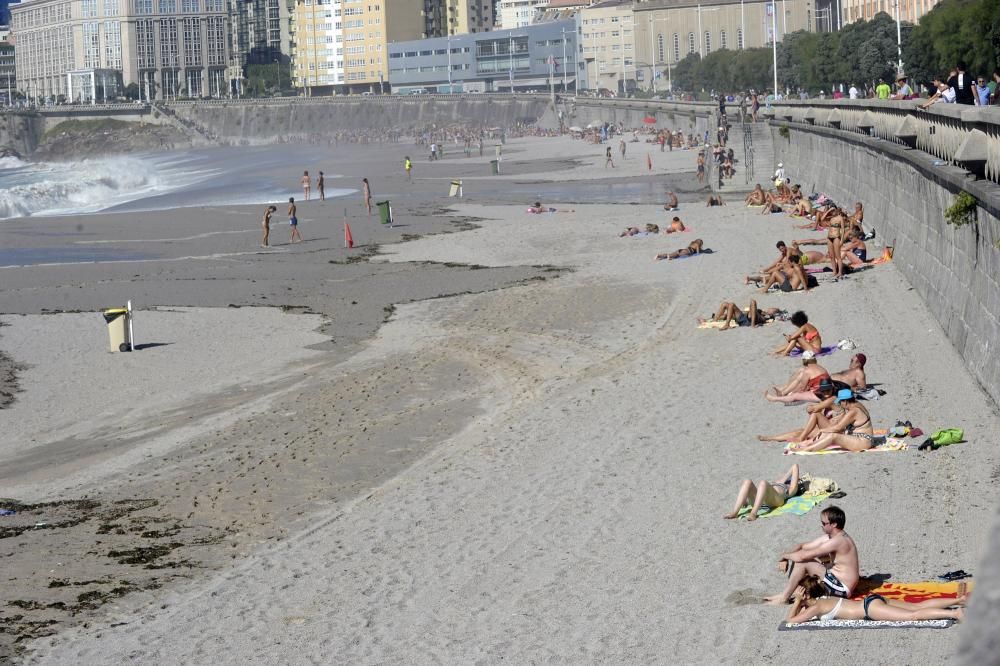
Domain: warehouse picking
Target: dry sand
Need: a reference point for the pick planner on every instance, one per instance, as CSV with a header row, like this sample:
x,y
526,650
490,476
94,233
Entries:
x,y
537,473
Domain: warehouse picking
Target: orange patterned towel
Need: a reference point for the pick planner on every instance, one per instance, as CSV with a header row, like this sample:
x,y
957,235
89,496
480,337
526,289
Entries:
x,y
909,592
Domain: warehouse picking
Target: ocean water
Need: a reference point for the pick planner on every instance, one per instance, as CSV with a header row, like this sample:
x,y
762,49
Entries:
x,y
207,177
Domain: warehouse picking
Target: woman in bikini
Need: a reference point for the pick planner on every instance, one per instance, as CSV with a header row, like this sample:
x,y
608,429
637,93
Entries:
x,y
306,186
804,386
695,247
852,432
806,337
771,494
834,243
822,414
752,316
811,603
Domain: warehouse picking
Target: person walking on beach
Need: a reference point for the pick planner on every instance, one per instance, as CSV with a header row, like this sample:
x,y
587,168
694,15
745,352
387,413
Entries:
x,y
408,165
608,160
305,184
621,147
833,558
367,193
266,225
293,222
321,187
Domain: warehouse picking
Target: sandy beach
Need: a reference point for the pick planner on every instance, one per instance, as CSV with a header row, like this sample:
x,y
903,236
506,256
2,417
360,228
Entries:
x,y
507,443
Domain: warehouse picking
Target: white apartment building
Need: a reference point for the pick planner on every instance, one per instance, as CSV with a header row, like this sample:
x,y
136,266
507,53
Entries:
x,y
607,47
171,48
518,13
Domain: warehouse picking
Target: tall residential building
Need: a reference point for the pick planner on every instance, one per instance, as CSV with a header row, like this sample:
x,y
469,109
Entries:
x,y
466,16
607,47
666,31
340,46
518,13
171,48
8,75
259,30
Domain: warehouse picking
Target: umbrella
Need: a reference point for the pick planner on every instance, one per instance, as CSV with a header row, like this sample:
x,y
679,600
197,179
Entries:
x,y
574,128
649,120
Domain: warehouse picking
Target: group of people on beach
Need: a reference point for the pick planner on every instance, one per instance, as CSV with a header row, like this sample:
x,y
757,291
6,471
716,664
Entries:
x,y
293,219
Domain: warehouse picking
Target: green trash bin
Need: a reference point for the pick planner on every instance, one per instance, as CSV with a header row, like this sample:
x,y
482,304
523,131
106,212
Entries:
x,y
495,167
384,212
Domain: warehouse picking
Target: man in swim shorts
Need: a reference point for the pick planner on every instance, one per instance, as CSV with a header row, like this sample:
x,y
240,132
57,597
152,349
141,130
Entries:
x,y
833,558
293,222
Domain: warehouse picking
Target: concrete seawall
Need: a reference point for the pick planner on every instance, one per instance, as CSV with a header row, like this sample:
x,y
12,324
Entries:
x,y
954,269
21,131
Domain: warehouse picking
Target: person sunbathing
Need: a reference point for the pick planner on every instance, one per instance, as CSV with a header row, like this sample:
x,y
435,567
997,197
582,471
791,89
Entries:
x,y
714,201
771,494
786,277
675,226
855,252
755,198
752,316
852,432
694,247
671,204
537,208
806,337
804,384
803,208
636,231
810,602
854,377
807,257
821,414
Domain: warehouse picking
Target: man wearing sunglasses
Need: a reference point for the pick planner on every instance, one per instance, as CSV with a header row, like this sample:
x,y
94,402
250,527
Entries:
x,y
833,558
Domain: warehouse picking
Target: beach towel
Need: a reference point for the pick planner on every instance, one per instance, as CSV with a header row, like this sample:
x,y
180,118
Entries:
x,y
865,624
911,592
796,506
891,444
824,351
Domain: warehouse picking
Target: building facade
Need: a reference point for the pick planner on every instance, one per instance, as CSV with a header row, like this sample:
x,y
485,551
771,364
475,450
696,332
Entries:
x,y
529,58
467,16
171,48
909,10
518,13
606,58
260,31
8,72
340,46
666,31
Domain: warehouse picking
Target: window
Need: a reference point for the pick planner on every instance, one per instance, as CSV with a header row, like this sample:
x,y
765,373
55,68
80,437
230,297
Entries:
x,y
88,9
216,40
168,43
739,38
691,42
677,47
111,8
91,46
144,43
189,6
168,6
192,42
661,55
708,42
722,40
113,44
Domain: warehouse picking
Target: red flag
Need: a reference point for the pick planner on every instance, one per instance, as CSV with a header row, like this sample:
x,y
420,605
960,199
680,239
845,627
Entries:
x,y
348,238
649,162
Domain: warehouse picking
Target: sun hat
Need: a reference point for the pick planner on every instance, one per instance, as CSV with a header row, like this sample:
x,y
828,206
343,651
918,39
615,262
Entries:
x,y
844,394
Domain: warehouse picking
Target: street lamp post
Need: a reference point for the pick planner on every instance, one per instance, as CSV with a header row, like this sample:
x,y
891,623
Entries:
x,y
743,26
899,42
278,62
564,64
701,37
774,44
449,64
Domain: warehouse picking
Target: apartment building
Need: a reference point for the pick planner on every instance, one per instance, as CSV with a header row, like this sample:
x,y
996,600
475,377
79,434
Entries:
x,y
518,13
666,31
340,46
909,10
80,49
467,16
260,31
607,47
8,75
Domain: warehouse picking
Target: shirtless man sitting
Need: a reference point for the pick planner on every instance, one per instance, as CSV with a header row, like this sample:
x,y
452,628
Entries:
x,y
833,558
675,226
672,203
854,377
755,198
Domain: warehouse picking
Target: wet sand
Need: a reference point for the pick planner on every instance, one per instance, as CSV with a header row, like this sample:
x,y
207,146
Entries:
x,y
533,468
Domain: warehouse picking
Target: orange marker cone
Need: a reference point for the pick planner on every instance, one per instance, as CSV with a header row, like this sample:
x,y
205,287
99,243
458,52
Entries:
x,y
348,238
649,162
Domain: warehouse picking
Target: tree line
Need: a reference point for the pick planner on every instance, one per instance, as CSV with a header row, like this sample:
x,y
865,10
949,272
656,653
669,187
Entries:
x,y
860,53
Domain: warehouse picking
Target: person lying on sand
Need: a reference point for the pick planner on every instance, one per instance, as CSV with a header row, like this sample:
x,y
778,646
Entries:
x,y
807,257
811,602
714,201
833,558
806,337
635,231
755,198
854,377
671,204
695,247
675,226
538,208
820,415
852,432
752,316
771,494
804,384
